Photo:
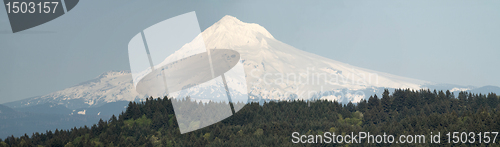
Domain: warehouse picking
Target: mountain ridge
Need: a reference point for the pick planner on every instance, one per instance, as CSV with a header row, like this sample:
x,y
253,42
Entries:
x,y
268,64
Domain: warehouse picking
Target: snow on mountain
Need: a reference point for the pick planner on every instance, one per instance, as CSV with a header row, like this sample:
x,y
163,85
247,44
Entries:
x,y
229,33
82,112
274,70
108,87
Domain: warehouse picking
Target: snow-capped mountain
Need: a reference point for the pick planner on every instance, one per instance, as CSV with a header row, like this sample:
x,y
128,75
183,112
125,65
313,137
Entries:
x,y
109,87
274,71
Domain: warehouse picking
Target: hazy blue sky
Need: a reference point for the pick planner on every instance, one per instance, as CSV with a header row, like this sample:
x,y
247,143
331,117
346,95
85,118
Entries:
x,y
455,42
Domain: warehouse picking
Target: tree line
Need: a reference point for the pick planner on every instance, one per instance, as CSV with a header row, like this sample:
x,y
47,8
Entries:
x,y
153,122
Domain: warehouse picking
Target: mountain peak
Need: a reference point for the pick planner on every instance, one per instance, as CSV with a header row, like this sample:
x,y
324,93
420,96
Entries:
x,y
230,32
230,19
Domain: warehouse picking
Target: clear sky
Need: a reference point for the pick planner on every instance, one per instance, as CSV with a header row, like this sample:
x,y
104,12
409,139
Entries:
x,y
446,41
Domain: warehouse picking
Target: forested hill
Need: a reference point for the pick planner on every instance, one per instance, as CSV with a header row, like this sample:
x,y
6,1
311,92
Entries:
x,y
152,123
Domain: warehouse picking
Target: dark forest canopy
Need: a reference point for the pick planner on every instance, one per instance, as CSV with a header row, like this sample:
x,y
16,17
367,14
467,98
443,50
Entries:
x,y
152,122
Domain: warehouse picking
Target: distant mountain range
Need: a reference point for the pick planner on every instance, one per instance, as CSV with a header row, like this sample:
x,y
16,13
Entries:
x,y
274,71
109,87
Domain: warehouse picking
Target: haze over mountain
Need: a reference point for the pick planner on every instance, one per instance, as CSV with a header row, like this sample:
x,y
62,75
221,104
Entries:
x,y
274,71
